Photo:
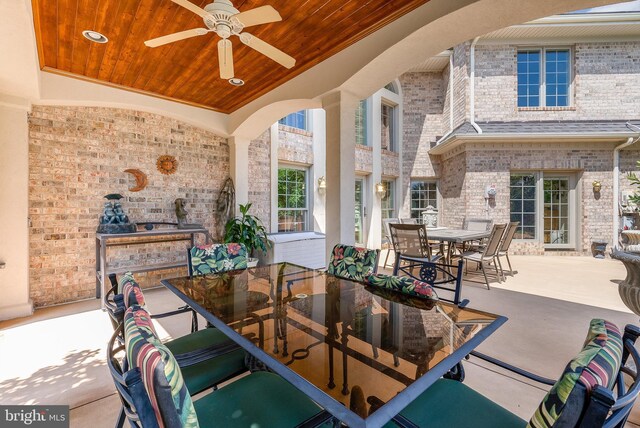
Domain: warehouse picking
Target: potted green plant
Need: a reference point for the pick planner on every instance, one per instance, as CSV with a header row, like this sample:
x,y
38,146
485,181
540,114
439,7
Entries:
x,y
247,229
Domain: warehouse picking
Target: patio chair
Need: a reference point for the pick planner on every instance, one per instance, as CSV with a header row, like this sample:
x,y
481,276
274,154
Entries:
x,y
409,220
193,351
503,251
479,224
442,276
489,254
410,240
353,263
157,395
387,236
216,258
590,393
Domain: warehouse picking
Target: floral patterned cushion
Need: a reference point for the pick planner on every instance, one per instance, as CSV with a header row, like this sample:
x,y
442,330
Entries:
x,y
161,376
403,285
597,364
215,258
130,290
352,262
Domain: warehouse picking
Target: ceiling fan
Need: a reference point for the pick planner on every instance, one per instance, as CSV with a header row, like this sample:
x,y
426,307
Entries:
x,y
225,20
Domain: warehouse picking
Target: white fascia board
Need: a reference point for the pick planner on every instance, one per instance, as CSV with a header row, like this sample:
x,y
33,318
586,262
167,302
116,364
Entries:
x,y
457,140
587,18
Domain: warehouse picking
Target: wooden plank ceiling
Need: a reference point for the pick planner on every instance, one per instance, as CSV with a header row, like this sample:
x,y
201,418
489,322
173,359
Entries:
x,y
187,70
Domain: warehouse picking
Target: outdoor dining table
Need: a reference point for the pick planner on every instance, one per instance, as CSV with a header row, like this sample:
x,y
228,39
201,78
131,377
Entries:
x,y
455,237
390,345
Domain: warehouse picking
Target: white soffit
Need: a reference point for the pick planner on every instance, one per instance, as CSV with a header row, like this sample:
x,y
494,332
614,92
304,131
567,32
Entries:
x,y
432,65
611,26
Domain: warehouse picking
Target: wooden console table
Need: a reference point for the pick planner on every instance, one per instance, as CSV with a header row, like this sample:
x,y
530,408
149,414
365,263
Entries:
x,y
139,238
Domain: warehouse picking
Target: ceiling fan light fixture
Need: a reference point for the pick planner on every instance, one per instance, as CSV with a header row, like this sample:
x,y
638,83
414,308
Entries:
x,y
236,81
94,36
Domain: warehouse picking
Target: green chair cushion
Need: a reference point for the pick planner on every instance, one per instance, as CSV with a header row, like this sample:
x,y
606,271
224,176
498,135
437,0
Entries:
x,y
216,258
452,404
260,400
201,376
597,364
352,262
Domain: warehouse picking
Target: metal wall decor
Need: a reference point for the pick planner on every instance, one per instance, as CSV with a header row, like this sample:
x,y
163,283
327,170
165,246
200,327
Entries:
x,y
167,164
140,177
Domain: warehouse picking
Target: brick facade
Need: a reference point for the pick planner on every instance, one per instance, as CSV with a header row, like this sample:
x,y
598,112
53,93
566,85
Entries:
x,y
76,156
605,84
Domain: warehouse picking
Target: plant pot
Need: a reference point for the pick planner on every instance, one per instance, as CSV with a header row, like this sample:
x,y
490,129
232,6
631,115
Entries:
x,y
629,288
252,262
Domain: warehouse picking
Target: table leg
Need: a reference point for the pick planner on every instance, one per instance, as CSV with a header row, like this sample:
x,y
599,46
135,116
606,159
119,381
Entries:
x,y
345,339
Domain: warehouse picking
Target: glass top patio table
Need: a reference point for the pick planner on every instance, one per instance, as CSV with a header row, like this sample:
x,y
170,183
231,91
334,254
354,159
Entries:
x,y
457,236
327,335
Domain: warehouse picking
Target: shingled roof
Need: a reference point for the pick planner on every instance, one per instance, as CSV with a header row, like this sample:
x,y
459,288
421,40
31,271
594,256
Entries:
x,y
551,127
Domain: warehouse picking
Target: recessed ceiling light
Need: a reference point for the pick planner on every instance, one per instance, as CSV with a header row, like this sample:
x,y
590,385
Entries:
x,y
236,82
94,36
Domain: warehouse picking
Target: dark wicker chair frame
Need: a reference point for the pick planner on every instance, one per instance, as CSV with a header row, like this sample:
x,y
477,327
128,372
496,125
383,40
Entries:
x,y
603,408
439,275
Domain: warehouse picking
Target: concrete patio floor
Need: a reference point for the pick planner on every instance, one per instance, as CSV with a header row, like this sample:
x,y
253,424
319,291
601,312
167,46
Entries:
x,y
57,356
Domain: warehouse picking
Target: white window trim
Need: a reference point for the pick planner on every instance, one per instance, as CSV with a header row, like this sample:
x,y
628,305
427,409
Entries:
x,y
430,181
543,75
395,119
309,202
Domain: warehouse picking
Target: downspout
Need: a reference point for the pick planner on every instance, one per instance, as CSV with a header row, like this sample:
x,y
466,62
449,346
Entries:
x,y
472,95
616,189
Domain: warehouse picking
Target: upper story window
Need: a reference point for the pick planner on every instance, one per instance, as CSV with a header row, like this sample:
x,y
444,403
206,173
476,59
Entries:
x,y
298,120
293,208
544,77
388,127
361,123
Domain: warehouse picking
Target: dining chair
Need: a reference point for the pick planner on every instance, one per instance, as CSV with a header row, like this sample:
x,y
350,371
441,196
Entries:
x,y
156,382
409,220
207,356
410,240
387,236
216,258
503,251
489,254
591,392
354,263
479,224
447,277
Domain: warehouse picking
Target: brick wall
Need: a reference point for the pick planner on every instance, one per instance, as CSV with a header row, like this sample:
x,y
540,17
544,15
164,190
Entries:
x,y
424,101
493,163
364,159
295,145
605,84
76,156
260,178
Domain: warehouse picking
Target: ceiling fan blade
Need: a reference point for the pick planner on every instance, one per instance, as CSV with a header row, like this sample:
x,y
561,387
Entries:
x,y
257,16
266,49
192,7
225,59
170,38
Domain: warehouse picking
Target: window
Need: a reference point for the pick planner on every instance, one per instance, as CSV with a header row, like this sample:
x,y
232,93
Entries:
x,y
292,200
550,88
296,120
388,127
423,194
391,87
523,204
361,123
387,204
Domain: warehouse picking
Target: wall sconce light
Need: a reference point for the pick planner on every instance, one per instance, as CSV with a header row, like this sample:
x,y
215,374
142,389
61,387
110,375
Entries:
x,y
597,186
322,183
380,188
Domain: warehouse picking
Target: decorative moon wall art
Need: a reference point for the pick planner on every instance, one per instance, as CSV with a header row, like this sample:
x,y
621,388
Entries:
x,y
141,179
167,164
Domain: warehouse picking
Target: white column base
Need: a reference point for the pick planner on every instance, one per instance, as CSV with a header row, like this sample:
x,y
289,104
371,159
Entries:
x,y
16,311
